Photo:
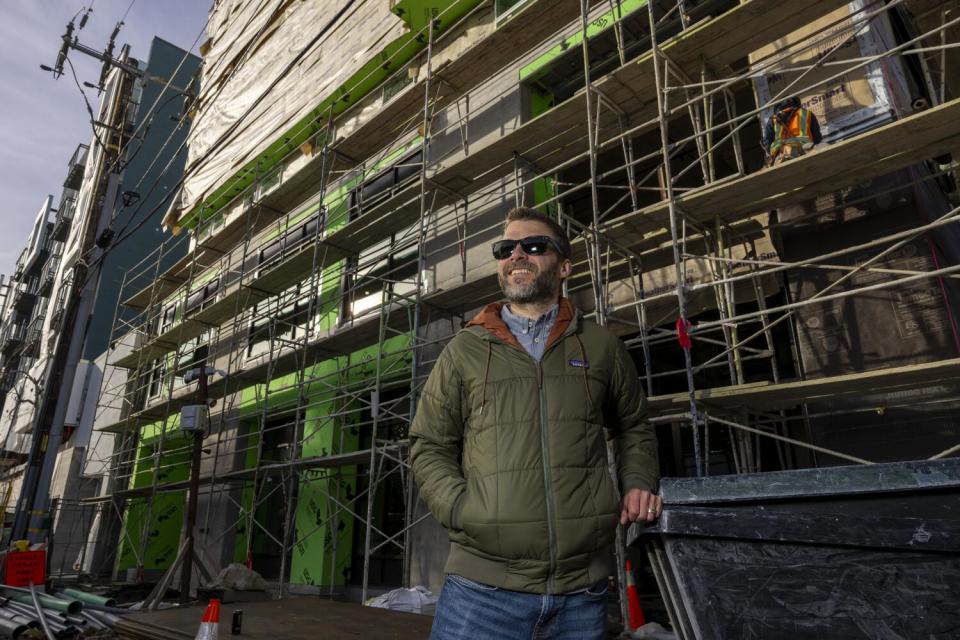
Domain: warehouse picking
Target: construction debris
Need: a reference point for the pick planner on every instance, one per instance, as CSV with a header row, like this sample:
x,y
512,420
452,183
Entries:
x,y
414,600
651,631
239,578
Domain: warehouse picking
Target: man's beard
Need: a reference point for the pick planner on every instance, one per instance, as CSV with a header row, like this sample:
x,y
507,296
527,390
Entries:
x,y
543,287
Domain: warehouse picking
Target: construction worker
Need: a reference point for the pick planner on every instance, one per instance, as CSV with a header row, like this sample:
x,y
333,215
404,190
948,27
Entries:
x,y
790,133
508,449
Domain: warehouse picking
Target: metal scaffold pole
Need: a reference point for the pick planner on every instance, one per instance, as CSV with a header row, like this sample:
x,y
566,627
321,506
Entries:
x,y
386,309
313,293
594,249
678,262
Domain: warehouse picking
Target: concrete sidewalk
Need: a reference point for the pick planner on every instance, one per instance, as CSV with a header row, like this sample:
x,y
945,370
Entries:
x,y
299,617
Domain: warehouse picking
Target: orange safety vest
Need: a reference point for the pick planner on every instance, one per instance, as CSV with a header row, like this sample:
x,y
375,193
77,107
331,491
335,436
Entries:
x,y
796,132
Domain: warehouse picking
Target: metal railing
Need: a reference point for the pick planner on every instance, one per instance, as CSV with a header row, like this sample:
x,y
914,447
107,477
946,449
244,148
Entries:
x,y
75,167
49,274
64,219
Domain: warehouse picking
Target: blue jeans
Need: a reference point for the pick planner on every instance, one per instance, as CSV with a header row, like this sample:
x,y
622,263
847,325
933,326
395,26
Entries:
x,y
468,610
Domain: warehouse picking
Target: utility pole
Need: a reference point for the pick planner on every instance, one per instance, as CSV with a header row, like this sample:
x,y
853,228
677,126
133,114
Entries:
x,y
199,414
71,41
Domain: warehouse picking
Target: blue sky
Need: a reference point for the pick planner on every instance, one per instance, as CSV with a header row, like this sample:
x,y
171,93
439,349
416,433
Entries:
x,y
42,120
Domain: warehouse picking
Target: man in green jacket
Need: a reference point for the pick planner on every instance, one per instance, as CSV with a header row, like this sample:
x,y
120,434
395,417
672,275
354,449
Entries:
x,y
508,447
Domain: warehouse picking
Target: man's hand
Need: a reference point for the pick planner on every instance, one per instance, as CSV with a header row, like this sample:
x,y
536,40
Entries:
x,y
640,505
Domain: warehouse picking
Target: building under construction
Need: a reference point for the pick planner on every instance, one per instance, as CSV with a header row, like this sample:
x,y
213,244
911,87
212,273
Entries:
x,y
350,163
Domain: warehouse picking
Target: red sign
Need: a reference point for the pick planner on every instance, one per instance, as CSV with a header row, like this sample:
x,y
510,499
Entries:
x,y
24,567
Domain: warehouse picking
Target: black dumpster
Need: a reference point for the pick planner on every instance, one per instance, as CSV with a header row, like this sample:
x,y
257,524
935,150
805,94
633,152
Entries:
x,y
845,552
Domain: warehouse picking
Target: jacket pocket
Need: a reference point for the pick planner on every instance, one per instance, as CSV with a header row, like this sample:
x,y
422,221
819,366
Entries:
x,y
607,500
475,516
456,509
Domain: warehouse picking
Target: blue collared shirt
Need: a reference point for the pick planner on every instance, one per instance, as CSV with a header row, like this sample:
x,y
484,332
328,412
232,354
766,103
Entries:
x,y
531,334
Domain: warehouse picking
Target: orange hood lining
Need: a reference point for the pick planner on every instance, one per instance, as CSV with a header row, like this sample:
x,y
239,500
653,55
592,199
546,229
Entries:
x,y
489,318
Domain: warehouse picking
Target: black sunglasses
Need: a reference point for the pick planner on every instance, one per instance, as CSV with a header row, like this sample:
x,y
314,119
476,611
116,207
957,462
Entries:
x,y
531,245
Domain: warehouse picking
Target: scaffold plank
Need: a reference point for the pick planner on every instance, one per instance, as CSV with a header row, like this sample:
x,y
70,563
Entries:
x,y
874,153
164,343
559,134
769,395
165,284
712,45
378,222
292,269
332,461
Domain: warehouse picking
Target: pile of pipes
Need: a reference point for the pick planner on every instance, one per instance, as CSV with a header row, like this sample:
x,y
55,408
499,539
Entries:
x,y
26,614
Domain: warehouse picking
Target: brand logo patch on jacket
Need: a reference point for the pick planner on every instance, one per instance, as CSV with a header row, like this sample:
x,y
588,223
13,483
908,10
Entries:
x,y
580,363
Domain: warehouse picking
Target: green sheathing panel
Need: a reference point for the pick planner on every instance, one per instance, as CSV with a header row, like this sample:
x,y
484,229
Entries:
x,y
417,13
330,427
541,100
380,67
543,188
596,27
243,528
166,512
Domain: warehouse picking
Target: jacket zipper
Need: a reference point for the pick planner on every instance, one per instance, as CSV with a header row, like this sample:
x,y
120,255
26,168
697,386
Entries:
x,y
545,458
547,481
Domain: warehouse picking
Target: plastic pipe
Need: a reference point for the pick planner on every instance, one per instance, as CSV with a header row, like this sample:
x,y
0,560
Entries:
x,y
89,598
72,607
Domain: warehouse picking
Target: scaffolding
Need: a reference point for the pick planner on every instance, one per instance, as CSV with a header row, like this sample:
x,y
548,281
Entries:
x,y
324,303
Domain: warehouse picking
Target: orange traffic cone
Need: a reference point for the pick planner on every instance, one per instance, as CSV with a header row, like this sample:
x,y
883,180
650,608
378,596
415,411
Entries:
x,y
210,625
634,610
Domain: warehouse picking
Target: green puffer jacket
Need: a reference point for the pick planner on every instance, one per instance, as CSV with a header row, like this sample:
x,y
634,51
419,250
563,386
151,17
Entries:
x,y
531,507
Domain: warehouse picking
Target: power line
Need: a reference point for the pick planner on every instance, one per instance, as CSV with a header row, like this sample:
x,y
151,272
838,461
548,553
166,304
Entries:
x,y
147,118
130,6
86,101
118,162
206,157
122,234
202,160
